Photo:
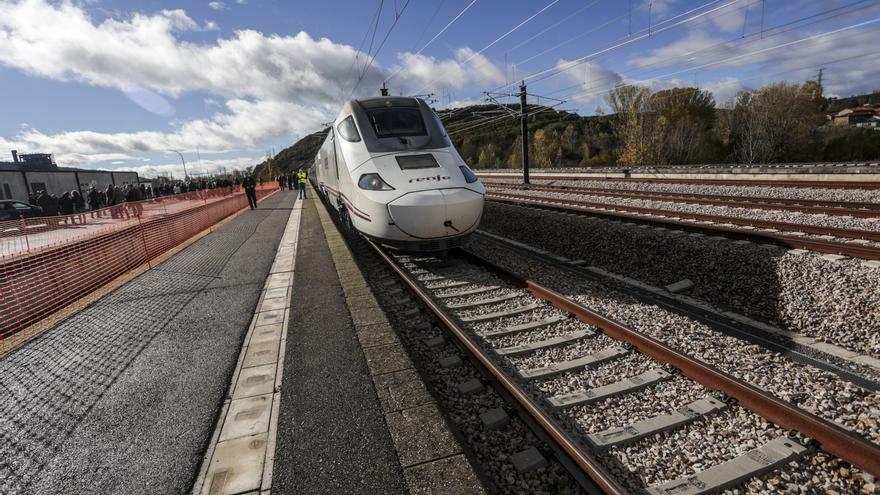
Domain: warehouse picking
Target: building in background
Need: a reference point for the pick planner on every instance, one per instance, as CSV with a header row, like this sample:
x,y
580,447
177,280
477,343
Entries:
x,y
28,173
866,115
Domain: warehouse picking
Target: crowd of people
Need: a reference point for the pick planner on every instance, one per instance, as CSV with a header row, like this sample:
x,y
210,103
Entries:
x,y
99,202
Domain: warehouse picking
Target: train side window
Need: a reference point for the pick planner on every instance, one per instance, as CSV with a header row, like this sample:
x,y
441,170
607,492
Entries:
x,y
348,130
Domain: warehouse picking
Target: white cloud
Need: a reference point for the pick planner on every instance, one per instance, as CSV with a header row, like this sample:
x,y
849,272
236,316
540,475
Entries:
x,y
730,18
658,7
724,89
217,5
145,51
270,85
245,124
241,2
592,79
417,71
691,47
195,167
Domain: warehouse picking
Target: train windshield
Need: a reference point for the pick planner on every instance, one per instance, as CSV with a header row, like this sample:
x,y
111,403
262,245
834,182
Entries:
x,y
397,122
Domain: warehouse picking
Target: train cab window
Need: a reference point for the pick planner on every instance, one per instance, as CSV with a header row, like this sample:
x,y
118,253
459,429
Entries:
x,y
348,130
396,122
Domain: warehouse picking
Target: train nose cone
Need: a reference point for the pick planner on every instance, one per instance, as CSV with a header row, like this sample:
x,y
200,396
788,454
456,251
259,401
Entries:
x,y
437,213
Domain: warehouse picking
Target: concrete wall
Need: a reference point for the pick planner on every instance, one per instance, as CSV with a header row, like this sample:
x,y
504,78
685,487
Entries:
x,y
54,183
58,183
16,186
123,178
98,180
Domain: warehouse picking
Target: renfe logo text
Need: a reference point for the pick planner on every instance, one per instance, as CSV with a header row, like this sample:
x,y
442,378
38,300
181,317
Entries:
x,y
438,178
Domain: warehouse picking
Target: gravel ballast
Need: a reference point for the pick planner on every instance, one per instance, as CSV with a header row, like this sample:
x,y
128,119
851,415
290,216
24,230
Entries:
x,y
835,301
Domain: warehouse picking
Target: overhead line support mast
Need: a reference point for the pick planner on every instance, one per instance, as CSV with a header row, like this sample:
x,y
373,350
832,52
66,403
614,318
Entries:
x,y
524,124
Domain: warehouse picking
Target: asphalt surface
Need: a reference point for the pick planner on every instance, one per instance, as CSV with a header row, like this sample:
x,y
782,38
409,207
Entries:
x,y
123,397
332,436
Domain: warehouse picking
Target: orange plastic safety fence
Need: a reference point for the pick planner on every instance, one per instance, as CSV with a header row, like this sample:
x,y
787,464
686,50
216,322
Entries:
x,y
47,263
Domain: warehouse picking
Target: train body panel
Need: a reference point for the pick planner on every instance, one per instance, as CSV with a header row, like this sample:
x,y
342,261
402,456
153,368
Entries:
x,y
389,168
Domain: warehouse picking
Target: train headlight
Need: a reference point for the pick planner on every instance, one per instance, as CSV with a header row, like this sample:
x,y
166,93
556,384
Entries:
x,y
372,182
469,176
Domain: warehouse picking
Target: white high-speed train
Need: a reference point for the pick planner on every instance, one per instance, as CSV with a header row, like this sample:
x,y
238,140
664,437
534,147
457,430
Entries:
x,y
389,169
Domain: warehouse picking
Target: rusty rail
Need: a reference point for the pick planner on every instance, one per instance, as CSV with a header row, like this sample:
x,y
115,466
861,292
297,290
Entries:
x,y
840,208
834,439
711,182
849,446
602,211
583,460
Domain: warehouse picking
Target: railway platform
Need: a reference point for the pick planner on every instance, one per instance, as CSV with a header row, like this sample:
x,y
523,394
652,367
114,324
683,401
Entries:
x,y
256,360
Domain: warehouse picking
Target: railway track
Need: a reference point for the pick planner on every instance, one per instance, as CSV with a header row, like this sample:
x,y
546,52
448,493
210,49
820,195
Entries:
x,y
855,243
712,182
527,336
839,208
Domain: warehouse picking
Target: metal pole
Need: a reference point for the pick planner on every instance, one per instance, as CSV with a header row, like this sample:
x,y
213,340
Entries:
x,y
523,116
184,164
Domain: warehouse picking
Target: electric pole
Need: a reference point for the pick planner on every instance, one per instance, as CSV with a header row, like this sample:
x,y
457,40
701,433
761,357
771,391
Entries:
x,y
524,123
523,118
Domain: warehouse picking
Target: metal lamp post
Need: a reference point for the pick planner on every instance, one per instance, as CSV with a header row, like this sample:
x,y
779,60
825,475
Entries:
x,y
185,176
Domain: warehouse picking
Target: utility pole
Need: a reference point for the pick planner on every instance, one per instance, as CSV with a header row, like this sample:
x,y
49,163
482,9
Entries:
x,y
523,117
524,123
819,76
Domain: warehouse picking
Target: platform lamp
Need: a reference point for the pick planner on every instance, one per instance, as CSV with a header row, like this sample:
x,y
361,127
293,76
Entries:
x,y
185,176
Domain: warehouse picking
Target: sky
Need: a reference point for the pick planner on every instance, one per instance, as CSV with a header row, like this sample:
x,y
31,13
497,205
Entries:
x,y
119,85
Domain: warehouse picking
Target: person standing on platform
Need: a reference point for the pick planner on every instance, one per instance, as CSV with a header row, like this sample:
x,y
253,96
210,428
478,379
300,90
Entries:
x,y
281,181
250,189
302,178
94,201
79,205
65,206
49,206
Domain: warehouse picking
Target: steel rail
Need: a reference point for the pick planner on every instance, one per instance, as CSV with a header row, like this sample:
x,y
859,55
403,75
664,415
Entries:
x,y
842,208
834,439
569,445
818,245
720,219
814,184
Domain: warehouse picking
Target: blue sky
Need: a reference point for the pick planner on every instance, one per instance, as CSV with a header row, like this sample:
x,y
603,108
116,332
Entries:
x,y
116,85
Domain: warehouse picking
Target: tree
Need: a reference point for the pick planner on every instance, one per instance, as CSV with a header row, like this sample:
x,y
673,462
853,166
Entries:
x,y
514,156
685,117
569,140
777,122
488,156
635,124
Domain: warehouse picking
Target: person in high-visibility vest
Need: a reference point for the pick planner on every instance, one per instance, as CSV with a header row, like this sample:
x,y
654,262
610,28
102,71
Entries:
x,y
302,178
